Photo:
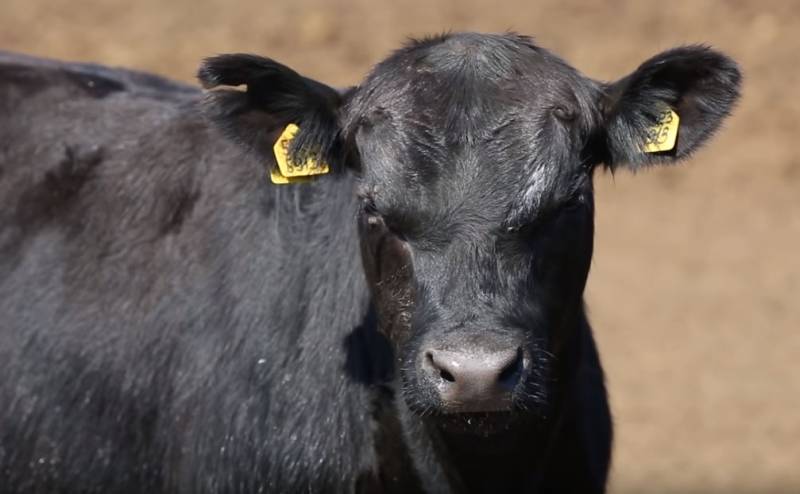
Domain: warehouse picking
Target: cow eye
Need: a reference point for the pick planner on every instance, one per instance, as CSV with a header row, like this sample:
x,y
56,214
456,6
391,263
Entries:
x,y
574,203
373,219
368,208
527,229
563,113
378,222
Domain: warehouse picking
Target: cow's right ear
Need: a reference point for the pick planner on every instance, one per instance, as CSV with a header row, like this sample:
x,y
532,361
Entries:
x,y
274,97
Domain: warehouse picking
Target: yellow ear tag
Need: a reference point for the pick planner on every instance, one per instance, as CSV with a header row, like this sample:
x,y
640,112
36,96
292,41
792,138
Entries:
x,y
662,136
289,172
276,178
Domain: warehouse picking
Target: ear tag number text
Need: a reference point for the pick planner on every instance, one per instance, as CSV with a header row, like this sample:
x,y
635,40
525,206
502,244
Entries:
x,y
662,136
287,171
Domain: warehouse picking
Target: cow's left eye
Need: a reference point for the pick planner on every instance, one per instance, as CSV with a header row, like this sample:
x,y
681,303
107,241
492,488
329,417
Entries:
x,y
573,205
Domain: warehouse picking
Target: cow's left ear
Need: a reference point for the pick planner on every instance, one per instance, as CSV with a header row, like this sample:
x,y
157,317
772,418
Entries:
x,y
696,83
274,96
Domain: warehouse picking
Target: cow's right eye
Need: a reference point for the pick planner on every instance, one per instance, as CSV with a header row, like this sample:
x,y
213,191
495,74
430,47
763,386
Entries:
x,y
368,208
374,221
563,113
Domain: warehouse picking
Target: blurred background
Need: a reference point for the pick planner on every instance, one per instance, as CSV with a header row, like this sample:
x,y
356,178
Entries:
x,y
695,286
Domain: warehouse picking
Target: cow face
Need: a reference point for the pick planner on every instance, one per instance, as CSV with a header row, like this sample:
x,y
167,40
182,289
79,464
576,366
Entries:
x,y
474,156
476,217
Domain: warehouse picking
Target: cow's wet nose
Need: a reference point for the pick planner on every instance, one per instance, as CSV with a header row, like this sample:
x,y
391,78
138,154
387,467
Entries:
x,y
474,381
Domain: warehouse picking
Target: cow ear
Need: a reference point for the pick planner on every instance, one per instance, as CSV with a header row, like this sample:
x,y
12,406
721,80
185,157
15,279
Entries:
x,y
695,83
273,97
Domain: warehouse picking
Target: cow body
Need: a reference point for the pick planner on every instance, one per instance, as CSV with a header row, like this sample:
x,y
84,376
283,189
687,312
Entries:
x,y
161,325
172,322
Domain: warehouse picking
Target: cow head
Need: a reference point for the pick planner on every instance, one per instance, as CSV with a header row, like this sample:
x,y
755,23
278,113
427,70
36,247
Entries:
x,y
474,156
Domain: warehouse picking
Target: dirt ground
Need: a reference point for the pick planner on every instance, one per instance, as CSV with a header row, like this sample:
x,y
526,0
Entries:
x,y
694,287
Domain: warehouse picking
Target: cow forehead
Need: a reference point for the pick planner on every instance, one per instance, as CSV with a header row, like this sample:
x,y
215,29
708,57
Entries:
x,y
467,75
464,124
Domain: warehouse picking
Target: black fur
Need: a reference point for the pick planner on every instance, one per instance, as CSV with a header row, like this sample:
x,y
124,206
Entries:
x,y
172,322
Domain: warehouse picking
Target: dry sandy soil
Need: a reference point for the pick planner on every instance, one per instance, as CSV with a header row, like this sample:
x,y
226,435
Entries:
x,y
694,287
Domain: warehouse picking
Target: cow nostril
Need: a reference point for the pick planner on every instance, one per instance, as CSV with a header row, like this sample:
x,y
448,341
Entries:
x,y
447,376
511,373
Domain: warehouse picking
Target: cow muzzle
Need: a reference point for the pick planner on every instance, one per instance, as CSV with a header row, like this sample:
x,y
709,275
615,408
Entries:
x,y
474,379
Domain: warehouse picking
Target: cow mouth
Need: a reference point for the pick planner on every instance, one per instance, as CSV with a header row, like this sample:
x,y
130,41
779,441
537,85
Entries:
x,y
482,424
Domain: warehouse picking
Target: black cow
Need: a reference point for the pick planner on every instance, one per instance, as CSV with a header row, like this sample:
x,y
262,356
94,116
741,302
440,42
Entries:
x,y
170,321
